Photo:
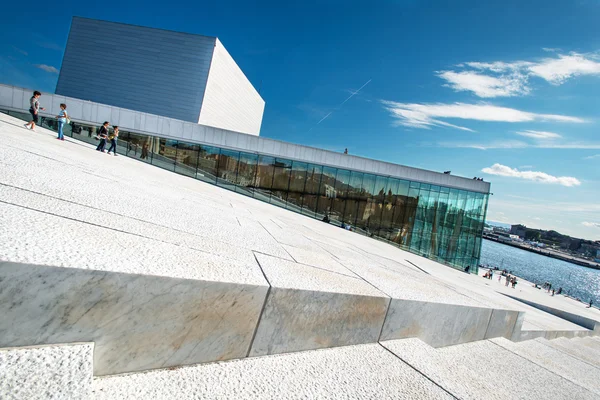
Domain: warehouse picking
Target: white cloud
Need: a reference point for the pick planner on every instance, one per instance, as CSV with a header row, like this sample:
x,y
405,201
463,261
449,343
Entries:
x,y
486,86
426,115
540,135
525,166
505,79
47,68
591,224
503,170
516,144
558,70
592,157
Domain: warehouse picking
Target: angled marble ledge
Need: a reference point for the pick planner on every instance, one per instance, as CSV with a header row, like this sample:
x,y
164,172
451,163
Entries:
x,y
310,308
441,325
137,322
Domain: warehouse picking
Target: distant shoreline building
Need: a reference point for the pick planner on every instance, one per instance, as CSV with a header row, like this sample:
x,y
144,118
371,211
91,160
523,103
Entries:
x,y
172,74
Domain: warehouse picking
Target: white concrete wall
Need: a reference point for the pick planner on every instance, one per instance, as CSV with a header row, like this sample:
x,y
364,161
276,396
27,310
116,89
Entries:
x,y
230,101
17,99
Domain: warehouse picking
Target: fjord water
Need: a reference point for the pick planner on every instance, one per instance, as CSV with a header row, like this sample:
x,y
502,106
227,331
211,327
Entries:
x,y
577,281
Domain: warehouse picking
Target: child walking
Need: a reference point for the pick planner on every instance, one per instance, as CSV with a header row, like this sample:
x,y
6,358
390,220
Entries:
x,y
62,120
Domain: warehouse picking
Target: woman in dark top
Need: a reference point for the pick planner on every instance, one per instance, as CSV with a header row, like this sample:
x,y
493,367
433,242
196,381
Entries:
x,y
103,134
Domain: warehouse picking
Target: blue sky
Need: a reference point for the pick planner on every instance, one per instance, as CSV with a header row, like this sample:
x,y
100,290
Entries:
x,y
505,90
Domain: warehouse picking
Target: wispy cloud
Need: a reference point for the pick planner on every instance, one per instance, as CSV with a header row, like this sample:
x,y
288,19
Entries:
x,y
592,157
47,68
516,144
505,79
525,166
20,51
503,170
540,135
591,224
484,85
427,115
499,144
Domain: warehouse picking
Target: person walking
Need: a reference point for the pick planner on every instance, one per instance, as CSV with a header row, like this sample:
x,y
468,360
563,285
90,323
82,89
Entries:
x,y
34,108
102,134
113,140
507,280
62,120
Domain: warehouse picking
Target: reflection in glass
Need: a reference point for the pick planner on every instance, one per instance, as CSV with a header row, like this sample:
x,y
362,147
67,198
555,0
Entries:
x,y
207,164
227,168
439,222
187,158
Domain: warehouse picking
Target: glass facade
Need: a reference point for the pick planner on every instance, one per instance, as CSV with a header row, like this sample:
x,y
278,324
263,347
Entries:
x,y
440,223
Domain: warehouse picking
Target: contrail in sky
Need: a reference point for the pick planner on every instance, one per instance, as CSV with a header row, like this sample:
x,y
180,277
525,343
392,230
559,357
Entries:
x,y
343,102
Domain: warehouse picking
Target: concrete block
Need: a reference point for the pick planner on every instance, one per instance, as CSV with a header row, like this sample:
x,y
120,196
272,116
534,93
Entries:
x,y
150,123
137,322
502,323
87,112
199,133
75,109
187,131
436,324
103,113
6,96
126,119
176,128
47,372
20,99
53,107
115,117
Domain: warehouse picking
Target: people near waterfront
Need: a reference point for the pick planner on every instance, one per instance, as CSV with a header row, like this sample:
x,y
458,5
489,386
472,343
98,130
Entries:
x,y
491,274
34,109
553,291
102,135
62,120
590,304
500,278
559,291
113,140
513,281
326,218
507,280
346,150
467,269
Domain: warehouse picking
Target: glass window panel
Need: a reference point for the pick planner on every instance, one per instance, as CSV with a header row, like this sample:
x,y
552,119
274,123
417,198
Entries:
x,y
187,158
309,204
338,206
368,219
227,172
246,173
355,185
368,186
281,178
264,177
295,201
207,164
327,187
298,175
314,174
341,183
139,147
353,208
165,154
323,206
